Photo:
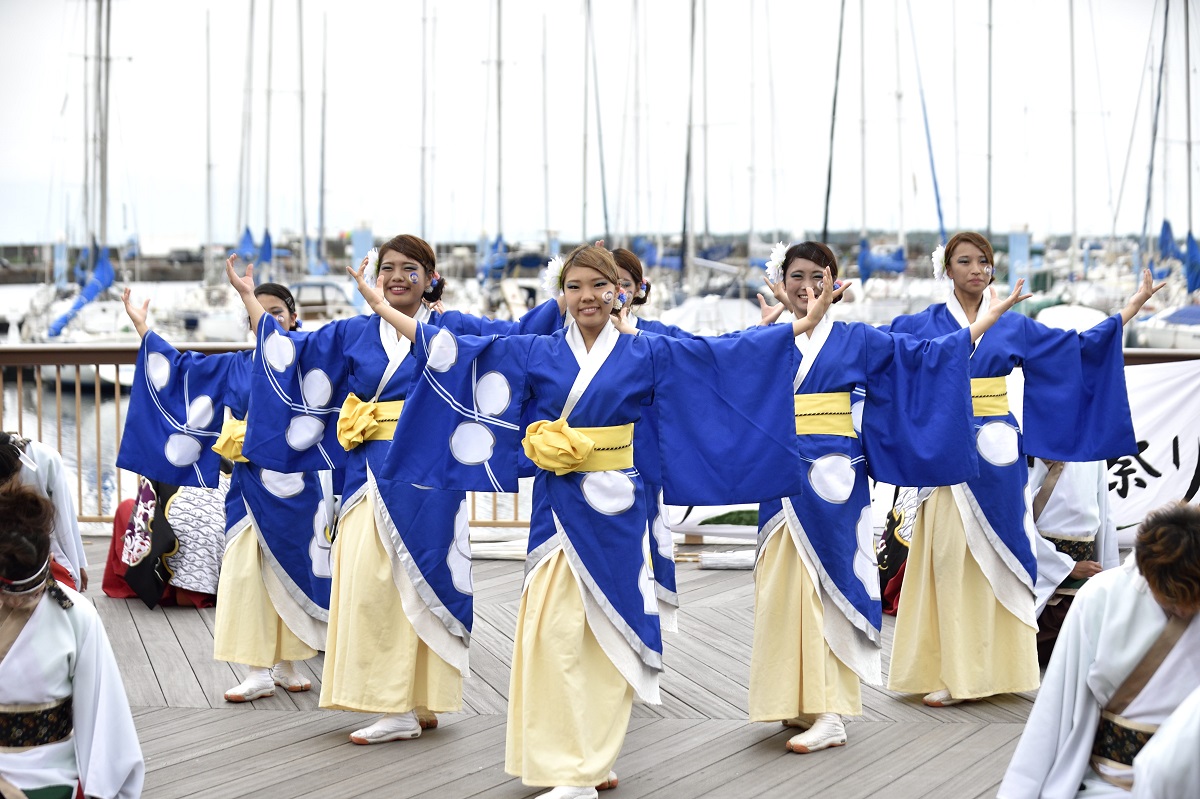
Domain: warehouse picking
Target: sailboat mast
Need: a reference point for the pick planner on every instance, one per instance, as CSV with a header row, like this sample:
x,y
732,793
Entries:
x,y
837,72
587,26
704,119
750,219
1074,255
685,240
243,218
954,88
545,144
105,65
1187,60
499,127
87,139
989,123
771,116
862,110
267,149
599,131
321,178
900,137
424,118
208,166
303,183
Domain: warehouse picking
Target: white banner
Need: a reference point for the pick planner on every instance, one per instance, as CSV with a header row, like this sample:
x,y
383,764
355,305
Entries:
x,y
1165,401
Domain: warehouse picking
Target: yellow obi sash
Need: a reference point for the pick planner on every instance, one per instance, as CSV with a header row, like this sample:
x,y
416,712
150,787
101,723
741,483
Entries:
x,y
557,447
362,421
827,414
229,443
989,396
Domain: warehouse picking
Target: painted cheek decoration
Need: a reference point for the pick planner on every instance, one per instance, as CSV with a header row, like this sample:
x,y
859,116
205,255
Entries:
x,y
608,297
413,277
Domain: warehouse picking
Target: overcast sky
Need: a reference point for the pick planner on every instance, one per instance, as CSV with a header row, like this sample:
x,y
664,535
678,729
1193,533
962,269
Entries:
x,y
770,75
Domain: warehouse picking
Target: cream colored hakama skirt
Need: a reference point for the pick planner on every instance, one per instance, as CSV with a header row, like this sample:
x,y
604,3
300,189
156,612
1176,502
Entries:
x,y
792,668
951,631
374,660
568,705
248,629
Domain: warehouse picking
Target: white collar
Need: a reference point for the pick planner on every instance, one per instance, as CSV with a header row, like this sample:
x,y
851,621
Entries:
x,y
810,346
589,361
395,346
956,310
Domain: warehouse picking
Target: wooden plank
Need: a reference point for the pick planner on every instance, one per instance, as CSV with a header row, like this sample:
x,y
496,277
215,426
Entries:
x,y
214,676
137,671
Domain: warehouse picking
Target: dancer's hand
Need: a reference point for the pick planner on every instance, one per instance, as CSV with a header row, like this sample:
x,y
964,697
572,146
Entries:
x,y
244,285
370,293
137,315
1145,291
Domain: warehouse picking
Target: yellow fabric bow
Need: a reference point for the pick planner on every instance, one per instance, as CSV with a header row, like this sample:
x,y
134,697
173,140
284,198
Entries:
x,y
356,423
229,443
556,446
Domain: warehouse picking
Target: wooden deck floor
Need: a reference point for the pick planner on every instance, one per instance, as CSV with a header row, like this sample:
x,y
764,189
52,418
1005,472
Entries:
x,y
698,743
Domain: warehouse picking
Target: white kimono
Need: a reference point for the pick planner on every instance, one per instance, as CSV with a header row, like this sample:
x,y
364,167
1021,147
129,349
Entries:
x,y
1078,507
65,653
1168,766
52,480
1112,623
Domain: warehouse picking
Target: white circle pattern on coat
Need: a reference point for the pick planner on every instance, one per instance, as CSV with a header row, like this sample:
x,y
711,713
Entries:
x,y
997,443
492,394
279,351
646,579
159,369
282,484
443,351
303,432
866,562
610,493
832,477
200,412
458,558
182,450
471,443
316,389
662,533
856,412
320,548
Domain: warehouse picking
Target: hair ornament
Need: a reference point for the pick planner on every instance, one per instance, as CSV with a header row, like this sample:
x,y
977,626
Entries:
x,y
552,279
642,289
372,272
774,264
939,262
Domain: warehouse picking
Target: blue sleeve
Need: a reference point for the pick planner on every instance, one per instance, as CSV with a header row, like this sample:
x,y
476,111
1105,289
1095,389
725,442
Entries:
x,y
176,409
917,417
726,417
659,329
542,320
1076,403
297,390
460,428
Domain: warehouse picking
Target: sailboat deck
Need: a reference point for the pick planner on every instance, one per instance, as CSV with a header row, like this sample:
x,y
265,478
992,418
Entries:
x,y
698,743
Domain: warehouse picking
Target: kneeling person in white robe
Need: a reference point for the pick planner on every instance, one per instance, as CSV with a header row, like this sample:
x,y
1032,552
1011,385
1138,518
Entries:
x,y
64,717
1127,657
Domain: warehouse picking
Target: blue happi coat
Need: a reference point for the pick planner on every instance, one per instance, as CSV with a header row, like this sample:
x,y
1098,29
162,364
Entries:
x,y
914,429
718,413
1075,409
299,386
176,409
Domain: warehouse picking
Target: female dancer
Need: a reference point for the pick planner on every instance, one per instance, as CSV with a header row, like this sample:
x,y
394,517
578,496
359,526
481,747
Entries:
x,y
64,718
588,638
966,627
817,612
400,610
273,591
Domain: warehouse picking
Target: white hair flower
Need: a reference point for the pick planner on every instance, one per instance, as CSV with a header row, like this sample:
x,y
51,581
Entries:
x,y
372,272
775,262
939,262
552,278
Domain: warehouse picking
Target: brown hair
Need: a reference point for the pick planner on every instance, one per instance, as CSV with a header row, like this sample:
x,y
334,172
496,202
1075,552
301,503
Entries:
x,y
1167,551
25,532
280,293
11,447
979,241
419,250
633,265
814,251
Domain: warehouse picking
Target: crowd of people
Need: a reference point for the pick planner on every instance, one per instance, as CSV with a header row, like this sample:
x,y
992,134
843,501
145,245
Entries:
x,y
350,448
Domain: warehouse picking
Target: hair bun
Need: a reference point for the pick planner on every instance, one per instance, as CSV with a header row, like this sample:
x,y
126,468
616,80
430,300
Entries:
x,y
26,510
